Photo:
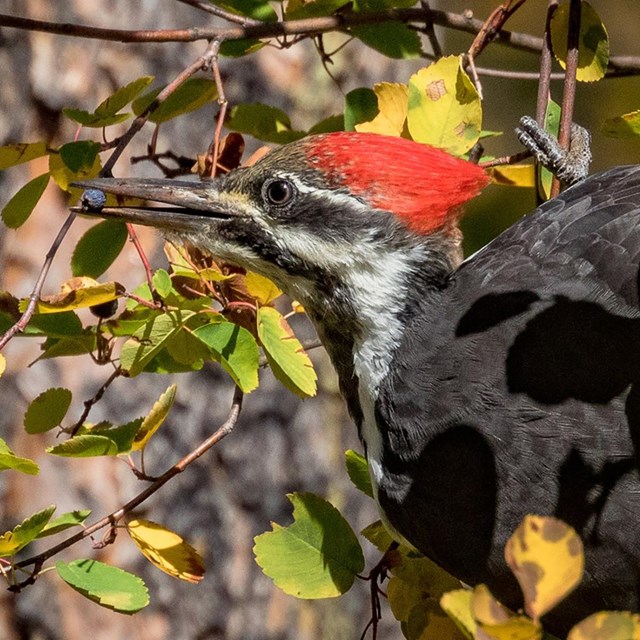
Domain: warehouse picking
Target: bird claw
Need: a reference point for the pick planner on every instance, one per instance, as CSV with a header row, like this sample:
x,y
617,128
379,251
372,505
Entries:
x,y
569,166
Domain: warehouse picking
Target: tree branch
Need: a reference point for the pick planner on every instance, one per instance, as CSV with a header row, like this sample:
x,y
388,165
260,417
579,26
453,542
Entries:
x,y
224,430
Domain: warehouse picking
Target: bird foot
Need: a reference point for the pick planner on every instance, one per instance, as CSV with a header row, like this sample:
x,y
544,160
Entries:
x,y
569,166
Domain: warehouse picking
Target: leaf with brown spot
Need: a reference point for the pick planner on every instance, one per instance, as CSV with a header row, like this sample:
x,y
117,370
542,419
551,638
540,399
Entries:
x,y
607,625
547,558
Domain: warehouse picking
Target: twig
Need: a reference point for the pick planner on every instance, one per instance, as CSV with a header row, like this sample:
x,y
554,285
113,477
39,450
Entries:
x,y
110,520
569,93
214,149
35,294
429,31
307,27
544,87
88,404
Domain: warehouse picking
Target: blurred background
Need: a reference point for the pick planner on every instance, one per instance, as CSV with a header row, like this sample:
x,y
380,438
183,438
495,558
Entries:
x,y
280,444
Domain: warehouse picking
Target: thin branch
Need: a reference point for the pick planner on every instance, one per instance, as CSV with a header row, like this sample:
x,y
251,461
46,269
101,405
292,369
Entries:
x,y
214,149
88,404
110,520
544,88
307,27
429,31
37,289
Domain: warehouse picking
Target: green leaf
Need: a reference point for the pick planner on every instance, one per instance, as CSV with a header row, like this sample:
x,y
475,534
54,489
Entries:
x,y
85,446
328,125
123,96
108,586
13,154
393,39
64,522
57,324
19,208
622,127
236,350
74,161
593,46
444,107
21,535
256,9
360,105
9,460
298,9
149,339
98,248
287,359
318,556
152,422
552,125
79,155
74,346
162,283
262,122
47,410
239,48
122,436
358,471
95,120
193,94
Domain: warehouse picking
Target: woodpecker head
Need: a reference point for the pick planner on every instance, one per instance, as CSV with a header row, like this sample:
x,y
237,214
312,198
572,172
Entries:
x,y
319,216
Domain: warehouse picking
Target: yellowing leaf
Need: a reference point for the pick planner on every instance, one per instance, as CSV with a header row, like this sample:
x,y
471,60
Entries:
x,y
318,556
622,127
392,110
457,605
287,359
167,550
607,625
514,175
21,535
3,364
486,609
444,107
77,293
261,288
13,154
156,417
427,621
516,628
75,161
547,558
593,47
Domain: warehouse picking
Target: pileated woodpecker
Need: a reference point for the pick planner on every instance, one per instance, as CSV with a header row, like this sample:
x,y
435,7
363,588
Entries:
x,y
482,390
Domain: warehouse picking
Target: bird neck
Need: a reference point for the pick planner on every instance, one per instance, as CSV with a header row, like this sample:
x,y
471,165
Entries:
x,y
363,321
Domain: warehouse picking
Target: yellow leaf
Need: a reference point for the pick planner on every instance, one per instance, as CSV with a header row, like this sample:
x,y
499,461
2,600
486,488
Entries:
x,y
514,175
593,47
516,628
427,621
77,293
167,550
261,288
3,364
486,609
457,604
607,625
444,109
392,110
154,420
547,558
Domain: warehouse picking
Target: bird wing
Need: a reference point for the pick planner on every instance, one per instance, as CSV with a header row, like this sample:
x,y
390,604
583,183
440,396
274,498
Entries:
x,y
515,390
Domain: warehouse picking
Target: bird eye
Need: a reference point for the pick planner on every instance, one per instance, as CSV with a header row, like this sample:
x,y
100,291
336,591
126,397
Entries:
x,y
279,192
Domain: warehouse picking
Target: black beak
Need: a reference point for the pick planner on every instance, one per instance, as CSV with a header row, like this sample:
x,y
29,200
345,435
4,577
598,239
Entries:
x,y
191,203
